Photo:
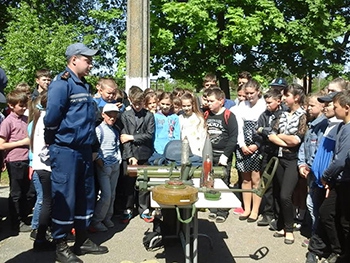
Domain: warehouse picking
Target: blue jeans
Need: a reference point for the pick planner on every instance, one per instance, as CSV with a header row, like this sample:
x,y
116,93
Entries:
x,y
108,178
39,200
314,200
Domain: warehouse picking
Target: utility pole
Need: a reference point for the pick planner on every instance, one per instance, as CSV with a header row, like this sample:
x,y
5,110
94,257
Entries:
x,y
138,44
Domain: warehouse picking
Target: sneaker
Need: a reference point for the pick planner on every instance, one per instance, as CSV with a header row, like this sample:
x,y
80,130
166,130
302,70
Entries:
x,y
333,257
157,213
98,227
108,223
238,211
147,217
220,219
297,226
311,258
212,216
33,234
126,217
305,243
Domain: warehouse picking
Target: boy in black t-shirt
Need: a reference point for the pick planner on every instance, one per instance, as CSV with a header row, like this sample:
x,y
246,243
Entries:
x,y
223,131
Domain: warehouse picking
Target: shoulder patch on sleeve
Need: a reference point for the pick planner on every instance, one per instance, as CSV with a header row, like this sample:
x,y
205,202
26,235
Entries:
x,y
65,75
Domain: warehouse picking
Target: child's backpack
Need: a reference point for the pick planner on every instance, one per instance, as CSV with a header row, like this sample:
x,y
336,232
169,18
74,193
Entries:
x,y
154,240
226,115
172,154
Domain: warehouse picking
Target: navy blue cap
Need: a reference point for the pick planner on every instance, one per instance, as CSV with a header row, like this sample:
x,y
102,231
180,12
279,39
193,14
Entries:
x,y
2,98
3,80
79,49
279,82
327,98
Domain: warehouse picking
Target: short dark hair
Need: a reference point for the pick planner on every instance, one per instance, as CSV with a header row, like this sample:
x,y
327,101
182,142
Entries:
x,y
273,93
210,77
217,92
245,75
136,94
43,73
296,89
17,96
343,98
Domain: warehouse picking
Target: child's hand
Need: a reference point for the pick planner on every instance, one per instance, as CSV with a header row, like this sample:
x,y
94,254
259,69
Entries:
x,y
132,161
304,171
126,138
24,142
246,150
99,163
223,160
119,105
253,148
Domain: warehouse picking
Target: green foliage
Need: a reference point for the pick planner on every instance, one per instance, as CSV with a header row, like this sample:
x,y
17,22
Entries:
x,y
108,19
33,43
170,85
268,38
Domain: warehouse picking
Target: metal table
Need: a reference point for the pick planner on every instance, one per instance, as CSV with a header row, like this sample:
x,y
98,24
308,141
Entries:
x,y
227,200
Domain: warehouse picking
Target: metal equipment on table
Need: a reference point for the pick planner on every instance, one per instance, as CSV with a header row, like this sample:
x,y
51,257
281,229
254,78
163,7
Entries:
x,y
181,193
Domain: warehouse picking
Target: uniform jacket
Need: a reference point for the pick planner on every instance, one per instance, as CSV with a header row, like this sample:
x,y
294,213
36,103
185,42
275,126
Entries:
x,y
70,113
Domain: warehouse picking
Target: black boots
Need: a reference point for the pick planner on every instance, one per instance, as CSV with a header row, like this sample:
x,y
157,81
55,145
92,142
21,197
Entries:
x,y
83,245
89,247
64,253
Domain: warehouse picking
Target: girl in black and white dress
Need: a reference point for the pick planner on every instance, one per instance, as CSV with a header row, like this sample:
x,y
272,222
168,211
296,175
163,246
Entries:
x,y
248,157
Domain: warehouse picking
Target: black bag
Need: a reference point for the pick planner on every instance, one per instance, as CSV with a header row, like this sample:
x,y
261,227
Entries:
x,y
153,241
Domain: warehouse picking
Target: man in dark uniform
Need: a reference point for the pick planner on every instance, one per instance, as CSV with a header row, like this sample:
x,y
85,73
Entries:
x,y
70,132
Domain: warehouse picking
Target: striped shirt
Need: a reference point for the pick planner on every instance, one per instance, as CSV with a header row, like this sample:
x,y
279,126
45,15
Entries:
x,y
108,138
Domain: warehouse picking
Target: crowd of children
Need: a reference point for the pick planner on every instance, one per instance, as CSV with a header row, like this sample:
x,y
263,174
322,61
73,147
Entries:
x,y
309,135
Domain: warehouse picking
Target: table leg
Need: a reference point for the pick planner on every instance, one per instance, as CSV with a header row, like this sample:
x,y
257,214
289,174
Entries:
x,y
195,237
187,213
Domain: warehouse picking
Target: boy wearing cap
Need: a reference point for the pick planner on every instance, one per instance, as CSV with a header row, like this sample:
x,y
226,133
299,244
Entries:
x,y
107,165
70,132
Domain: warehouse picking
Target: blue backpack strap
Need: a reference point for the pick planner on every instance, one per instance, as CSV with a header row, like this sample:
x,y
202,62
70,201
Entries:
x,y
102,133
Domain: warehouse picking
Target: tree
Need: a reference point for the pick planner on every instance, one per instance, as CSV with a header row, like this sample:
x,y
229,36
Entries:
x,y
33,43
265,37
108,19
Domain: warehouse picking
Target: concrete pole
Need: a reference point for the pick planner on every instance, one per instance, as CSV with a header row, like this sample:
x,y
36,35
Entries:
x,y
138,44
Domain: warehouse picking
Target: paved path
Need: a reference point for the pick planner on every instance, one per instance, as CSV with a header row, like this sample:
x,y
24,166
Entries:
x,y
233,241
